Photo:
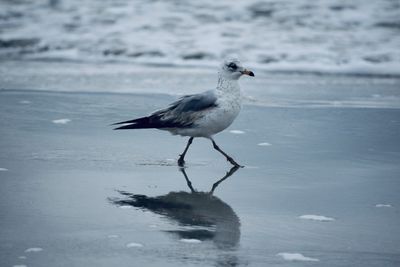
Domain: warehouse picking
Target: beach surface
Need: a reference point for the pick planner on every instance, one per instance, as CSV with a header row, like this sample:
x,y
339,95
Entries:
x,y
319,187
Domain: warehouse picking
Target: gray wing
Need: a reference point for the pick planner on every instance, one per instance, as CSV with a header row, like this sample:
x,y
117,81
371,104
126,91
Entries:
x,y
186,110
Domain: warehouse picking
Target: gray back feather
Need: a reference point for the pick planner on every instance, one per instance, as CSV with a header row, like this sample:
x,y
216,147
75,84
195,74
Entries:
x,y
196,102
186,110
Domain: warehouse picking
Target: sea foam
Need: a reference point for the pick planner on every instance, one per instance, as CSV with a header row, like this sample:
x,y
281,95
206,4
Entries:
x,y
295,257
29,250
264,144
316,218
383,205
61,121
160,37
236,132
190,240
134,245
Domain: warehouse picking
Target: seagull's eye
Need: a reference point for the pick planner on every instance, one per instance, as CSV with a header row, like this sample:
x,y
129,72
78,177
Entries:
x,y
232,66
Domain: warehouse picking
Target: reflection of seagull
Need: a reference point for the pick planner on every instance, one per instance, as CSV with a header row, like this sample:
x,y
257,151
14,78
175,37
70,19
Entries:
x,y
207,217
200,115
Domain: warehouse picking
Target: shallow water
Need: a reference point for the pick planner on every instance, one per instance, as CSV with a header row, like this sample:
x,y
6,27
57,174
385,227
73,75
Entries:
x,y
266,89
89,196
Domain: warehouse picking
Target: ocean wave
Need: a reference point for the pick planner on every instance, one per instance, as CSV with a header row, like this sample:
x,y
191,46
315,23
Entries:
x,y
361,37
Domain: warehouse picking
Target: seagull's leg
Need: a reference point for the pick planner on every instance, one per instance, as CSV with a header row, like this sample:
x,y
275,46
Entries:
x,y
181,160
228,158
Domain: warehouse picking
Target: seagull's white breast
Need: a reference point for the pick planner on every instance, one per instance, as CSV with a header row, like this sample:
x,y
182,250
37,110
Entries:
x,y
222,116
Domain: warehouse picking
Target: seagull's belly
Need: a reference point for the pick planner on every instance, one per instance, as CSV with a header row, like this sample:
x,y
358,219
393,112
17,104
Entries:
x,y
213,121
219,120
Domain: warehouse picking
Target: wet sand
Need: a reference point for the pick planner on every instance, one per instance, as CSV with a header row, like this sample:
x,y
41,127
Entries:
x,y
320,186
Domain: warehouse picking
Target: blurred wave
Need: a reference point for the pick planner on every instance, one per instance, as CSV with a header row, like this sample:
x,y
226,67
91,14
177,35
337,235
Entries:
x,y
319,36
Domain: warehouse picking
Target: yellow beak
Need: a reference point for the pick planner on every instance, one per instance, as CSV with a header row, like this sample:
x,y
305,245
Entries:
x,y
248,72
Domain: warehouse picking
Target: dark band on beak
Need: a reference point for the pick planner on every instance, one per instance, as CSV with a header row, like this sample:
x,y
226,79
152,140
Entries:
x,y
248,72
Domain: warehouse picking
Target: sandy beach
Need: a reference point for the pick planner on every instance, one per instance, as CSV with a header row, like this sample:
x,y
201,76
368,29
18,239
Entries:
x,y
319,187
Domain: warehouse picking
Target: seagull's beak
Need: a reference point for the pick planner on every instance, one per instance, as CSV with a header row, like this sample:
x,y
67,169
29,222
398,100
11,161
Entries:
x,y
247,72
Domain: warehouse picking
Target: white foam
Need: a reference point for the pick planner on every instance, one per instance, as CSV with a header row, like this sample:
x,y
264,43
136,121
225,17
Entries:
x,y
383,205
33,250
22,257
3,169
20,265
236,132
264,144
113,236
295,257
61,121
125,207
134,245
230,26
190,240
316,218
25,102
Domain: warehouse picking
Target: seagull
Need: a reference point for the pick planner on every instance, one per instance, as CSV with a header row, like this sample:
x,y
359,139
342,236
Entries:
x,y
200,115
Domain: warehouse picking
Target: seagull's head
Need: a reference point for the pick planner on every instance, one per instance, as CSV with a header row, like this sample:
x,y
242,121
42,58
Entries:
x,y
232,69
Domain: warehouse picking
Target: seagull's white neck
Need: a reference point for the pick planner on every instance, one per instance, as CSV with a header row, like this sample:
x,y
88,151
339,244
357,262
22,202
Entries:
x,y
228,86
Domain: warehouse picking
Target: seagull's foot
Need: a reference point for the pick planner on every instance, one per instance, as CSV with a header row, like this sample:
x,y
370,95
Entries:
x,y
181,162
234,163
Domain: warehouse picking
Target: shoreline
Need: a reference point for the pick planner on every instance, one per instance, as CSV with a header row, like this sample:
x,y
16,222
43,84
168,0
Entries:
x,y
266,89
173,97
200,66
